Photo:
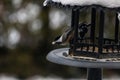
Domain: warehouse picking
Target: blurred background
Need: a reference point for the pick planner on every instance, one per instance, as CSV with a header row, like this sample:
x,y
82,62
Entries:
x,y
26,32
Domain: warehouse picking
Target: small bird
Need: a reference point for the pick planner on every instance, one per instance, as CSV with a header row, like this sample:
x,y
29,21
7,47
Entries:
x,y
83,29
65,37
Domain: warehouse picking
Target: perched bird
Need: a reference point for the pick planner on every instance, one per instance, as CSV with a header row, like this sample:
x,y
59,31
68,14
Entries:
x,y
68,35
65,37
83,29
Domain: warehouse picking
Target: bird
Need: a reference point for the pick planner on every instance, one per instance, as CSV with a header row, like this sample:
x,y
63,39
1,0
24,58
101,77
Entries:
x,y
65,37
68,35
83,29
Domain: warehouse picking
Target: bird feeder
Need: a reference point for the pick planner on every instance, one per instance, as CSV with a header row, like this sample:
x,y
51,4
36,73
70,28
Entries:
x,y
93,51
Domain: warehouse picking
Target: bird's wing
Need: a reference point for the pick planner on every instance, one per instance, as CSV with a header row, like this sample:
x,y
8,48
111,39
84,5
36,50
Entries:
x,y
57,40
64,38
67,34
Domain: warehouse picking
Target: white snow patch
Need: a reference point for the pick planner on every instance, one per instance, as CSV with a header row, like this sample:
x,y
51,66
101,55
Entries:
x,y
37,77
45,3
7,77
106,3
119,16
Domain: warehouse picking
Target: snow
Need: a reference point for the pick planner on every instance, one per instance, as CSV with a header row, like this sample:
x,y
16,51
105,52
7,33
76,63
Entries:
x,y
105,3
119,16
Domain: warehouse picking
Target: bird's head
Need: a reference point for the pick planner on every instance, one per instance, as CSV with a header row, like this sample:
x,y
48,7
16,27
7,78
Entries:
x,y
83,26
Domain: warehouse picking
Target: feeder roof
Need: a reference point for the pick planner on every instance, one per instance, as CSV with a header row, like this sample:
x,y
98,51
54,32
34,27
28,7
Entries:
x,y
104,3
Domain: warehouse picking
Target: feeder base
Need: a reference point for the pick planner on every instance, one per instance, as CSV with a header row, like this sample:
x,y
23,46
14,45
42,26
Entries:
x,y
61,56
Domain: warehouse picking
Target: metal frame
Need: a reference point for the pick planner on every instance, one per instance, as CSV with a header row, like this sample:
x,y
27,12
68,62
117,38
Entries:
x,y
94,73
104,45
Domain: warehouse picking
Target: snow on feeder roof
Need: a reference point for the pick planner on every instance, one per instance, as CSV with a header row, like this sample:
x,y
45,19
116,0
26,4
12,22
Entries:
x,y
104,3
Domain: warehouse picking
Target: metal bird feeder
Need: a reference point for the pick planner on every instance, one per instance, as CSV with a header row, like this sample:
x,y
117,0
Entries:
x,y
94,51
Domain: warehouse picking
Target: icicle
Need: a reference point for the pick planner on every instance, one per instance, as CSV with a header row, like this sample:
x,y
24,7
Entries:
x,y
45,3
119,16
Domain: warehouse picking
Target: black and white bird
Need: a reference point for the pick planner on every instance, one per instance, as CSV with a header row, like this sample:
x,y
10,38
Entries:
x,y
83,29
64,38
67,36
